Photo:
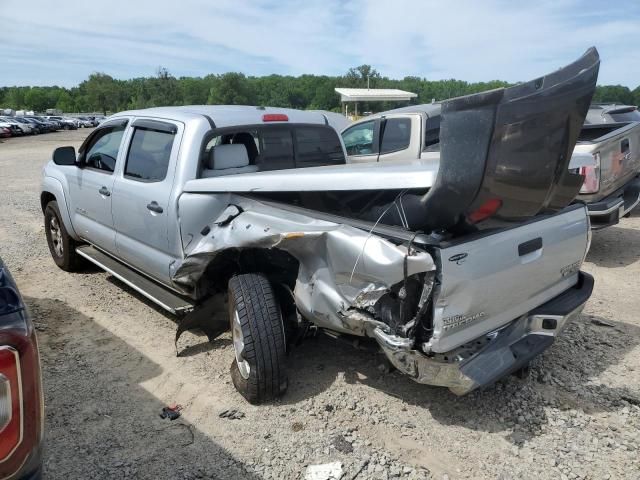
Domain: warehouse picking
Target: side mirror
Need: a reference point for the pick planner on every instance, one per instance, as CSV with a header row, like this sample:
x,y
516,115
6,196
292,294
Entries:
x,y
64,156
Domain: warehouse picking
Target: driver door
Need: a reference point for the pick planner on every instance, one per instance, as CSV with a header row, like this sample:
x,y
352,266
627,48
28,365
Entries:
x,y
362,141
90,186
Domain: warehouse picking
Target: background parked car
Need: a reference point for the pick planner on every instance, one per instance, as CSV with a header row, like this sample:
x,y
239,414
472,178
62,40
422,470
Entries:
x,y
65,123
5,130
21,401
19,127
30,128
36,127
607,155
16,131
47,125
612,113
85,122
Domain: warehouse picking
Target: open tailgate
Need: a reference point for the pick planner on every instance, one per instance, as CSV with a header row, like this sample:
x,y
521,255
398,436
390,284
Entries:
x,y
506,152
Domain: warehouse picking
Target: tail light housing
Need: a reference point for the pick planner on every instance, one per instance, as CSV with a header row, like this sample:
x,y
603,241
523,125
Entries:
x,y
21,405
11,412
486,210
591,174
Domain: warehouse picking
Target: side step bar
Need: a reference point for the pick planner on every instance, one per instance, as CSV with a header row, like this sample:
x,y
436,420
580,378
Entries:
x,y
155,292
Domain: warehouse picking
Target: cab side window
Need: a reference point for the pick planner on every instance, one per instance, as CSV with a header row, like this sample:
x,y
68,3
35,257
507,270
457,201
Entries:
x,y
396,135
358,140
101,150
149,155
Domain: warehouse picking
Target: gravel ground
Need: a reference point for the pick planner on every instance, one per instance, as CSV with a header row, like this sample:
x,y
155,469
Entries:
x,y
109,366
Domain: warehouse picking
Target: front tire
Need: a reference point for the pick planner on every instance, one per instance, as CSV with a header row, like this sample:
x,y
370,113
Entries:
x,y
61,245
258,370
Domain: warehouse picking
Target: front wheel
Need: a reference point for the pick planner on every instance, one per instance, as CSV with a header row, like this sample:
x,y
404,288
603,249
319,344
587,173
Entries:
x,y
258,370
61,245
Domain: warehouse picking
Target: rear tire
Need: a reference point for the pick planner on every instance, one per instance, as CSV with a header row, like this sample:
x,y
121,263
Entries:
x,y
61,245
258,371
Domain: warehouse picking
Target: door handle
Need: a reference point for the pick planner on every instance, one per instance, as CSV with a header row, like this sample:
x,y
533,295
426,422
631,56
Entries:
x,y
104,191
154,207
530,246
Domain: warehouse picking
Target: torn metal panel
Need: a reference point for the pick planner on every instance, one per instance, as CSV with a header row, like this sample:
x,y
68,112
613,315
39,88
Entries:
x,y
340,267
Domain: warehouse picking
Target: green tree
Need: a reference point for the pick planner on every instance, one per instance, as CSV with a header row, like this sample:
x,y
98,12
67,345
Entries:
x,y
101,91
231,89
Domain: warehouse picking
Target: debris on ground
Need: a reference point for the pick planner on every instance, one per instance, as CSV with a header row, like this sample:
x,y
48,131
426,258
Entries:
x,y
171,412
324,471
601,323
231,414
341,444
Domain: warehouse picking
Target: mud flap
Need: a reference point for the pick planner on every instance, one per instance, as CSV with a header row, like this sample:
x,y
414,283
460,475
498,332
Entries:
x,y
210,317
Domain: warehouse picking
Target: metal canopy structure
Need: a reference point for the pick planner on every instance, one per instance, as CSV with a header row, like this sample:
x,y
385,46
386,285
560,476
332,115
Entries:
x,y
355,95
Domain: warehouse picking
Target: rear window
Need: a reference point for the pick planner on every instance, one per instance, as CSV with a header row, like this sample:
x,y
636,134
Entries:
x,y
317,146
276,152
282,147
633,116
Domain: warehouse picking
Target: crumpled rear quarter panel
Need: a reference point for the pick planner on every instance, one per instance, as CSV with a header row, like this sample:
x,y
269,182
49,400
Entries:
x,y
338,263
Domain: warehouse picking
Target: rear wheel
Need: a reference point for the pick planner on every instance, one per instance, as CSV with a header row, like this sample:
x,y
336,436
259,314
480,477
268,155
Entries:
x,y
61,245
258,370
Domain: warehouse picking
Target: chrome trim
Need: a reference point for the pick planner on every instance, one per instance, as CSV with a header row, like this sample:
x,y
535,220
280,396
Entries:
x,y
131,267
127,282
597,213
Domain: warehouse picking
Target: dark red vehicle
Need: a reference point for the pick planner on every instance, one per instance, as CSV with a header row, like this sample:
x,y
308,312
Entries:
x,y
21,401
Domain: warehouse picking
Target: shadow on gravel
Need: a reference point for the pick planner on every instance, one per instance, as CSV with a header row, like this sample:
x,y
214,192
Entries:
x,y
100,421
564,377
615,247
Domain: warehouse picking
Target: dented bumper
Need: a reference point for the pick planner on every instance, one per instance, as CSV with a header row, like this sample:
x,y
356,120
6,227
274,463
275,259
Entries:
x,y
494,355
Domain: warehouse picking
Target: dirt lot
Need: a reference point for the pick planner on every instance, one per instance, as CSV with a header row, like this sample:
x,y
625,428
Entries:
x,y
110,365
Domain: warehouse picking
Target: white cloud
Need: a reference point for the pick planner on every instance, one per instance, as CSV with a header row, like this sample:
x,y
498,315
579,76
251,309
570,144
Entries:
x,y
495,39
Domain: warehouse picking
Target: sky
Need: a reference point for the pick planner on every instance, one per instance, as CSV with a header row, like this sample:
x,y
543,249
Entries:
x,y
44,42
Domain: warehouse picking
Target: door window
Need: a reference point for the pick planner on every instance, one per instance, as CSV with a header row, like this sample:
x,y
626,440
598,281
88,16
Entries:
x,y
149,154
102,148
396,135
358,140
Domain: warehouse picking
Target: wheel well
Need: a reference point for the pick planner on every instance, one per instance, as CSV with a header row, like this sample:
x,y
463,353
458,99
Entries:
x,y
280,267
45,198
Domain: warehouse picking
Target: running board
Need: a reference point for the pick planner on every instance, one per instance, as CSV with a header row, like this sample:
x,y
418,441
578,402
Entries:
x,y
155,292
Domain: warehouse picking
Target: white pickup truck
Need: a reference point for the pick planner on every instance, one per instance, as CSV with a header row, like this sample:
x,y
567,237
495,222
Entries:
x,y
606,154
249,218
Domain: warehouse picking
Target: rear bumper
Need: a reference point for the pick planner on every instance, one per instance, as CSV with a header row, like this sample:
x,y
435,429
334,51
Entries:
x,y
502,352
608,211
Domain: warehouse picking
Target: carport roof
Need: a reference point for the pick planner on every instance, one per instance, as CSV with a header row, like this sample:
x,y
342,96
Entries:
x,y
374,95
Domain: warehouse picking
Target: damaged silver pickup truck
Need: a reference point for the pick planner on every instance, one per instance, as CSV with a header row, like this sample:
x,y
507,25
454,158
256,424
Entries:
x,y
462,273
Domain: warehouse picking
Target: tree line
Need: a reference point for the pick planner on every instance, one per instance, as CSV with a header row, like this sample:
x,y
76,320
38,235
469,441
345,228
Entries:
x,y
102,93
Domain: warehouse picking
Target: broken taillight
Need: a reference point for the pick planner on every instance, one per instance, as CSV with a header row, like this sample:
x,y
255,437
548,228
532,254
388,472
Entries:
x,y
11,415
591,174
486,210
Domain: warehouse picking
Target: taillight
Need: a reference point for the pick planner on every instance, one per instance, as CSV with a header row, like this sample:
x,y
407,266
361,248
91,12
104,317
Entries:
x,y
486,210
275,117
11,414
591,174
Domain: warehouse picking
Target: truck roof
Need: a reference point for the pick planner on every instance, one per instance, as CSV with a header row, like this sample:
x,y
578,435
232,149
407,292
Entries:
x,y
231,115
